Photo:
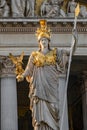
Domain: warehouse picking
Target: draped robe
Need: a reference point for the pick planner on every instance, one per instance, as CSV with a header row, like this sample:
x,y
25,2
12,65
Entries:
x,y
21,8
44,90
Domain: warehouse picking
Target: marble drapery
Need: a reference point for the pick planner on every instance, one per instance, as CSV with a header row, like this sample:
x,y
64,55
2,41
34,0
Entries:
x,y
21,8
44,90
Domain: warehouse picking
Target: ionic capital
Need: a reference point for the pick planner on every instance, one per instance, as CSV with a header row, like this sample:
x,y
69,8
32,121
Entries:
x,y
7,68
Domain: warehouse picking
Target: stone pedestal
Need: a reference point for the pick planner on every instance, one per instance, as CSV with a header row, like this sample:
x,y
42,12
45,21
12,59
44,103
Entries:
x,y
63,111
84,101
8,97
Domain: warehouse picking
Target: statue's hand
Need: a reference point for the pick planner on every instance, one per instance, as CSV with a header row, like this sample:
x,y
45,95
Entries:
x,y
74,33
20,78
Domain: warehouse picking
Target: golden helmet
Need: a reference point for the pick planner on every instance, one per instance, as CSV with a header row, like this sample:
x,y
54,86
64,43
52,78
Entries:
x,y
43,31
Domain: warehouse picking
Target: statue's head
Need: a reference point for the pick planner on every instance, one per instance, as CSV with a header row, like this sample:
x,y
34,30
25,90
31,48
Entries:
x,y
43,34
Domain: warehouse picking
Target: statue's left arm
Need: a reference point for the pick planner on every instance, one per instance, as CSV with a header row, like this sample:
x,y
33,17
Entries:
x,y
74,41
62,58
74,31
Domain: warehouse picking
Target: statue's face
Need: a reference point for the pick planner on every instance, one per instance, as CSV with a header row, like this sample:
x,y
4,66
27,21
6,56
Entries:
x,y
44,42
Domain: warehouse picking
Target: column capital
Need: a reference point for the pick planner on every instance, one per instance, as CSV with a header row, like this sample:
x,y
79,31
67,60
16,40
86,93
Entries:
x,y
7,68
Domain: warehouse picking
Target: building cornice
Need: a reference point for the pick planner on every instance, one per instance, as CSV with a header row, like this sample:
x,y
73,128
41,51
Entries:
x,y
36,19
29,25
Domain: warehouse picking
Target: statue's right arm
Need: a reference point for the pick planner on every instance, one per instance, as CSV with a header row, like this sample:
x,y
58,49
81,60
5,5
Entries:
x,y
20,78
28,70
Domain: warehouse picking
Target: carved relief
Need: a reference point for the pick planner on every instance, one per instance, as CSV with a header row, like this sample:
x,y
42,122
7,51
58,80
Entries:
x,y
54,9
83,11
40,8
38,4
43,10
22,8
6,65
4,9
50,8
71,8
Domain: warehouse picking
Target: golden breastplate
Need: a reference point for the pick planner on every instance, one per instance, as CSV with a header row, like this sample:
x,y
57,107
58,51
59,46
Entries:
x,y
41,59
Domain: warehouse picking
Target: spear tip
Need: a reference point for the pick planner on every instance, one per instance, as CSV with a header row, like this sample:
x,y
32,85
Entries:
x,y
77,10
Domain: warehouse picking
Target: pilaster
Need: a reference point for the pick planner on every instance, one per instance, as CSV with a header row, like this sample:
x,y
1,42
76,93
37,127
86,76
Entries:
x,y
8,95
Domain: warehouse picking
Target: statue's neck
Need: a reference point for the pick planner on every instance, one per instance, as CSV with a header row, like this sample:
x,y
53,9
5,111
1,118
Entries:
x,y
45,50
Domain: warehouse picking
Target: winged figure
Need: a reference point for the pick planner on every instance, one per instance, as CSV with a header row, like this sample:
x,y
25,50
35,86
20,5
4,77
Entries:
x,y
18,63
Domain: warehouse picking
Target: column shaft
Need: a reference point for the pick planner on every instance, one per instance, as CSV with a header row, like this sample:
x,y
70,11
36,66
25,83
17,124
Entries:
x,y
9,120
8,104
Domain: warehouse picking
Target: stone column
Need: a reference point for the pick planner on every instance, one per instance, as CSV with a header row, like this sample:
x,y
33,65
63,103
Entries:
x,y
63,100
8,96
84,100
